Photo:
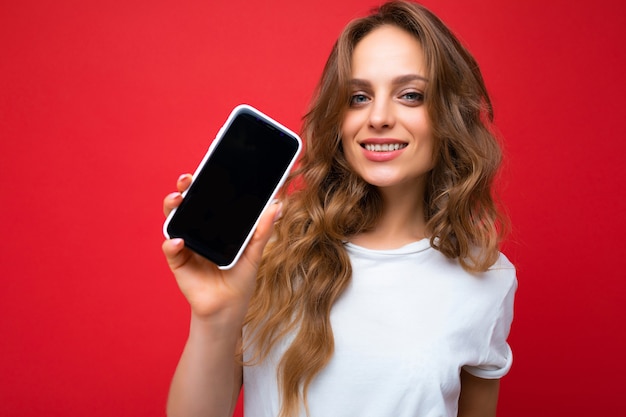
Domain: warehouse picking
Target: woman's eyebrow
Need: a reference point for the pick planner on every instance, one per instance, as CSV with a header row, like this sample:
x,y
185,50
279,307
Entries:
x,y
358,83
402,79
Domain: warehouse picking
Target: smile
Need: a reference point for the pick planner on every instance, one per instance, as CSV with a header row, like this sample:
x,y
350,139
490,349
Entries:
x,y
382,150
385,147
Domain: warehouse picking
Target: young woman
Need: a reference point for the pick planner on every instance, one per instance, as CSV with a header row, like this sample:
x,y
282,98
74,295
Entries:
x,y
382,291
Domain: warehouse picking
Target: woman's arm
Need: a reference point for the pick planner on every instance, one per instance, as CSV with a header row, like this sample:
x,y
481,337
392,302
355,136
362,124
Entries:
x,y
479,396
208,378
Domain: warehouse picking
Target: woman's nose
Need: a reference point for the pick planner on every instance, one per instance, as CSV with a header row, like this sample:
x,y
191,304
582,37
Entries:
x,y
381,115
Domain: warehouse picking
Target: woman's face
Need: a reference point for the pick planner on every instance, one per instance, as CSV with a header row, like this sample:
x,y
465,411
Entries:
x,y
386,134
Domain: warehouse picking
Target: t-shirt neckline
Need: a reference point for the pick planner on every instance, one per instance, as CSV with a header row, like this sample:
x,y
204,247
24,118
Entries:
x,y
412,247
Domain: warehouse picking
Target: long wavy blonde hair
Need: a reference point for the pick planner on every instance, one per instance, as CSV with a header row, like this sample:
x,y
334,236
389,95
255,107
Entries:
x,y
306,267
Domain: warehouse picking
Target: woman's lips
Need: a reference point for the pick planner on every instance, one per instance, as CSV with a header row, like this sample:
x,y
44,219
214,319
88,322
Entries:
x,y
385,147
382,150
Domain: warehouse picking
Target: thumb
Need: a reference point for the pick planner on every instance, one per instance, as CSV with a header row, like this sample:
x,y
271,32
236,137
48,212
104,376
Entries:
x,y
174,252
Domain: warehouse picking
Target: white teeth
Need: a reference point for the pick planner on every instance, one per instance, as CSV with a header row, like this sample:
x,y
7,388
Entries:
x,y
386,147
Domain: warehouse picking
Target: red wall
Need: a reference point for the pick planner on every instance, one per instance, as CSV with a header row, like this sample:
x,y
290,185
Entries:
x,y
103,104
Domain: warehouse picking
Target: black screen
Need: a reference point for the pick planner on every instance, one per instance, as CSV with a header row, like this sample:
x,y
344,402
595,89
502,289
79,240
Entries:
x,y
230,192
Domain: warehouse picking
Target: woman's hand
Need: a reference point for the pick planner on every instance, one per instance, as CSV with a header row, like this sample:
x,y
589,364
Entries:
x,y
212,292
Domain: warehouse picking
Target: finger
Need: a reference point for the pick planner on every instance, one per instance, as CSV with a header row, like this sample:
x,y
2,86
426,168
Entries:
x,y
183,182
263,233
171,201
175,253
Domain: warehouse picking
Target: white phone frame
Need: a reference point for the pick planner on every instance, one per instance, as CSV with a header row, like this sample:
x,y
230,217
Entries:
x,y
242,108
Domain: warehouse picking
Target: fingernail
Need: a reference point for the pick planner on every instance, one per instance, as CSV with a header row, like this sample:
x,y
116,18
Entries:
x,y
182,177
177,242
279,212
173,195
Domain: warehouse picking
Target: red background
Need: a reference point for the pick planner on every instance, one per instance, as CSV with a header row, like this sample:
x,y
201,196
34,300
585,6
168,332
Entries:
x,y
104,103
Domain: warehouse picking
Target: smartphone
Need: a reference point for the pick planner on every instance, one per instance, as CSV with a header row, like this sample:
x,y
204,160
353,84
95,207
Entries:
x,y
237,179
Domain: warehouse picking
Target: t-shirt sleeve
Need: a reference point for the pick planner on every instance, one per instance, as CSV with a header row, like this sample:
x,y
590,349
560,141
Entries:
x,y
497,356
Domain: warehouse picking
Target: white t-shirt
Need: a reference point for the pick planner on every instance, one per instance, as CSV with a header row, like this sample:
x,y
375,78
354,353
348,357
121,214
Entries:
x,y
405,326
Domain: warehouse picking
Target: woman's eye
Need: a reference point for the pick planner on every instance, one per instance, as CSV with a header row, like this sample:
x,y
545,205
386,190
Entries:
x,y
357,99
413,96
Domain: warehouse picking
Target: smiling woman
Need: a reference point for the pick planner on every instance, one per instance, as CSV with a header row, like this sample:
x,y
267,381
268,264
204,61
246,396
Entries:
x,y
383,281
103,103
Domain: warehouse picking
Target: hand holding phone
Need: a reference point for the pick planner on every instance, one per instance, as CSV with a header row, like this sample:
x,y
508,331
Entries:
x,y
210,290
242,171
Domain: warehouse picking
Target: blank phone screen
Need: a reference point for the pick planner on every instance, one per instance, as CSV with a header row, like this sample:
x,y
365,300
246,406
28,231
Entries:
x,y
230,192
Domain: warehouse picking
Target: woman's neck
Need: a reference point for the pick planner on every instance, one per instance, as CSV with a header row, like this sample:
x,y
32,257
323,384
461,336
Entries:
x,y
401,222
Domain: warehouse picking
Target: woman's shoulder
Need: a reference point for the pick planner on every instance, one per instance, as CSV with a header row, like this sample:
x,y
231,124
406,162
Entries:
x,y
502,263
503,271
498,279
